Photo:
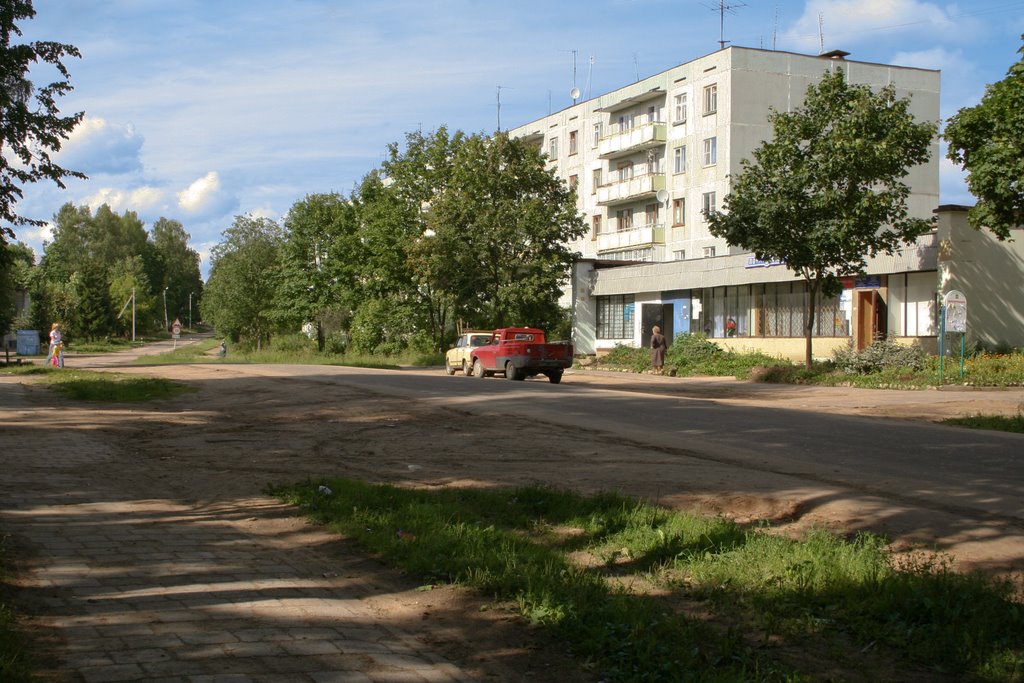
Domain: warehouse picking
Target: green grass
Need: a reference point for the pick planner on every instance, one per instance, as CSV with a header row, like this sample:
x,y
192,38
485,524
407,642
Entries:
x,y
526,545
14,660
1002,423
88,385
103,345
184,354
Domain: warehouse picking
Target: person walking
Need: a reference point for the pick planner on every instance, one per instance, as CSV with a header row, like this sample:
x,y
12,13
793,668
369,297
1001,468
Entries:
x,y
55,356
658,346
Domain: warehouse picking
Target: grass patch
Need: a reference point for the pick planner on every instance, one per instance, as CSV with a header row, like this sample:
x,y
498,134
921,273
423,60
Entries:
x,y
104,345
88,385
1001,423
564,560
14,659
185,354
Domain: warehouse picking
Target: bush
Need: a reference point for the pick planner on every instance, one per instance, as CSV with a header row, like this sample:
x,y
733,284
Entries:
x,y
336,343
884,354
692,350
292,343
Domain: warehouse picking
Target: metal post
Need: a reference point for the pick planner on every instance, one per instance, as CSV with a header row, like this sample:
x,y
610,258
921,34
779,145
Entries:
x,y
190,310
167,325
133,314
942,340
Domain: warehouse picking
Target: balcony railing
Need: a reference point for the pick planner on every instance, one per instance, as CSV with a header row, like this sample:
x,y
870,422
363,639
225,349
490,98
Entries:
x,y
629,140
643,235
631,189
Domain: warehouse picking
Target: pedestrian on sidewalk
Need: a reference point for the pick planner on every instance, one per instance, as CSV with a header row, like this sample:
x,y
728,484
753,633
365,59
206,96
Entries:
x,y
658,346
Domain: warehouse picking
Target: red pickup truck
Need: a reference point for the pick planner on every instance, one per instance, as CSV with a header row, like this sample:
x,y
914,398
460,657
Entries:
x,y
522,352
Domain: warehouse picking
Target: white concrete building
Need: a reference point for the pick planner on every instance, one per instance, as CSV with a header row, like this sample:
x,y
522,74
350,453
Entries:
x,y
649,158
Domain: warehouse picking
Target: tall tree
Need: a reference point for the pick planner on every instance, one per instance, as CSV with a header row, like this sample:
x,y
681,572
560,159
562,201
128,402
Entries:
x,y
986,140
827,191
321,259
31,127
500,232
178,267
16,261
245,276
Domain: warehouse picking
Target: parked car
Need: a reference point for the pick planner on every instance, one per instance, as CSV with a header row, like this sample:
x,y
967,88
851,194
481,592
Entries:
x,y
459,357
521,352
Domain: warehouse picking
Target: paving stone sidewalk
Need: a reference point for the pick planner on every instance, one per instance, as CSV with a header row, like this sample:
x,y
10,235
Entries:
x,y
131,586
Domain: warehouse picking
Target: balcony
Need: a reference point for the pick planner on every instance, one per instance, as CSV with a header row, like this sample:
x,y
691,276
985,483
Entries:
x,y
631,189
634,139
644,235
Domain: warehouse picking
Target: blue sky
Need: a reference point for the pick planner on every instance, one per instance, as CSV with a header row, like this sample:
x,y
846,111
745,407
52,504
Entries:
x,y
200,110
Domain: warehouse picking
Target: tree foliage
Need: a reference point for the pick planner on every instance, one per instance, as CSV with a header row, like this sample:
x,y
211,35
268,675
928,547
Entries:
x,y
827,191
31,127
245,277
16,260
986,140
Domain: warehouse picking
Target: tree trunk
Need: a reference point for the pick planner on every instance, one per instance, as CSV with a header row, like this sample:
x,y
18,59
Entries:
x,y
813,285
320,341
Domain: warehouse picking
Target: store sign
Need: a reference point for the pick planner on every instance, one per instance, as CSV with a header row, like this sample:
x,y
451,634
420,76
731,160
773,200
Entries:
x,y
754,262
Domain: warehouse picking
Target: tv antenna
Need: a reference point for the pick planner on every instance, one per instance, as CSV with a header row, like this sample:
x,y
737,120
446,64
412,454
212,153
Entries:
x,y
821,33
722,7
499,105
574,93
590,75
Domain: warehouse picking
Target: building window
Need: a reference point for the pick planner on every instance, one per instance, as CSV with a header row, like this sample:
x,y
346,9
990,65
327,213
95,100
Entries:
x,y
679,211
624,219
597,180
553,149
574,182
595,223
652,214
615,315
679,159
625,122
572,142
710,151
709,252
711,99
654,114
707,203
680,108
625,171
679,255
598,127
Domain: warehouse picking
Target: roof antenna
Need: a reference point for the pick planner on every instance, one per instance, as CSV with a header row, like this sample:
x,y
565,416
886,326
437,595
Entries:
x,y
499,105
775,27
574,93
722,7
821,33
636,65
590,73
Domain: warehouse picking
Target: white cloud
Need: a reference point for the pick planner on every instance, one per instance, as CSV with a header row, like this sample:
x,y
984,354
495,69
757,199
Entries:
x,y
205,197
145,200
844,22
97,146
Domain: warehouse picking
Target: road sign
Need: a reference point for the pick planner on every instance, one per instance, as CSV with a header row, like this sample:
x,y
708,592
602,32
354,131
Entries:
x,y
956,311
176,329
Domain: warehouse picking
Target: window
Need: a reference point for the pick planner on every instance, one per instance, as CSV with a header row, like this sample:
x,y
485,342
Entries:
x,y
615,315
625,171
679,159
574,182
624,219
707,203
711,99
595,225
654,114
680,108
679,255
572,142
598,127
709,252
679,211
710,151
553,149
625,122
596,180
651,211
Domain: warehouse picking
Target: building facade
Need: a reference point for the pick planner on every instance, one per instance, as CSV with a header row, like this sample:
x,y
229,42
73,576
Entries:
x,y
649,159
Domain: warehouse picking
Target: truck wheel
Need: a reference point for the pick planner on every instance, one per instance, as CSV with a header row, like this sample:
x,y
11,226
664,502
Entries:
x,y
513,374
555,376
448,369
478,369
465,367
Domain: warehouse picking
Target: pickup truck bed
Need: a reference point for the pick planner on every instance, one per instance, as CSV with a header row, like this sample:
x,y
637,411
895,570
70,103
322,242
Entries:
x,y
521,352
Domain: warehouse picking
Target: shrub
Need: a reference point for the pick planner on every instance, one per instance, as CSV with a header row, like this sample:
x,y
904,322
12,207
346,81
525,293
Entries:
x,y
883,354
293,343
692,349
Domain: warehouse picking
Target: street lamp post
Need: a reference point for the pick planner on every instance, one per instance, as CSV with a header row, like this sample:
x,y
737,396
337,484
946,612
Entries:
x,y
190,309
166,324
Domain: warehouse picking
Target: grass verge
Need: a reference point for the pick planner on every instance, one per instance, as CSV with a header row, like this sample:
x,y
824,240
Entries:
x,y
88,385
14,660
1000,423
572,564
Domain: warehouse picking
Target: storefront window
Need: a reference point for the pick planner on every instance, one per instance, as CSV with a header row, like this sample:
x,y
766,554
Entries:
x,y
615,316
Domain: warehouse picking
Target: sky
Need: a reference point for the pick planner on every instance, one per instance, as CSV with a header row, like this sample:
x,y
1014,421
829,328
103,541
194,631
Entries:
x,y
202,110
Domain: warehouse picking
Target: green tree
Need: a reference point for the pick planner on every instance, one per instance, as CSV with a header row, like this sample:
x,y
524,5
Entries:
x,y
92,316
31,127
501,228
827,191
986,140
128,278
322,254
178,267
16,261
245,276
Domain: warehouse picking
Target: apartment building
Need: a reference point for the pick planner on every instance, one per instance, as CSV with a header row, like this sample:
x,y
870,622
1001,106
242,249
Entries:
x,y
649,159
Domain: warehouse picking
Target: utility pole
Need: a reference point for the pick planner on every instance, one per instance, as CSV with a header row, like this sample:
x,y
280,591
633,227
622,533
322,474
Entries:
x,y
190,309
167,325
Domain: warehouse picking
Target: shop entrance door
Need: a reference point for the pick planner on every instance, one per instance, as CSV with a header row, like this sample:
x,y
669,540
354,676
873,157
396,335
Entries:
x,y
655,314
871,317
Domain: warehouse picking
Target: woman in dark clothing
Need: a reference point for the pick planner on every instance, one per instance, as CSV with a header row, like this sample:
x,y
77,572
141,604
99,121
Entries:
x,y
658,346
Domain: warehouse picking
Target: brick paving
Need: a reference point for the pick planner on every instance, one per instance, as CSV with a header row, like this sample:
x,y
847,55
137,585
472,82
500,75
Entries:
x,y
127,585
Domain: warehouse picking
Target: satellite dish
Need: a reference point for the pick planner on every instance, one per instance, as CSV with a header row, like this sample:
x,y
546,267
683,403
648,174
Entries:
x,y
662,196
574,93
